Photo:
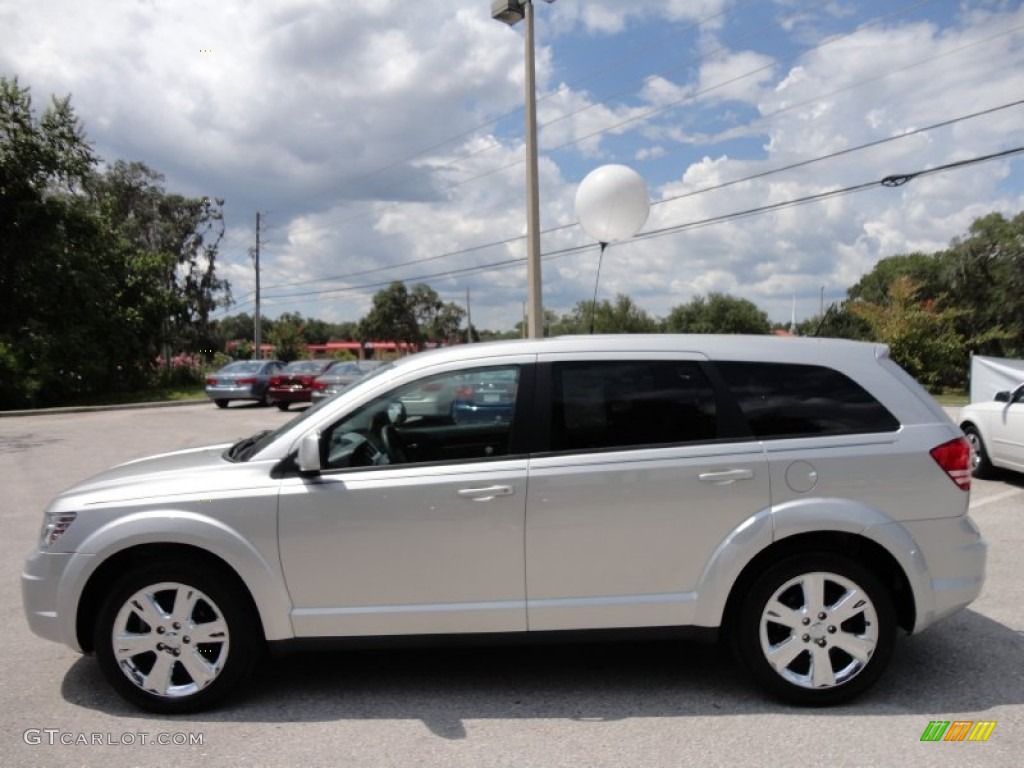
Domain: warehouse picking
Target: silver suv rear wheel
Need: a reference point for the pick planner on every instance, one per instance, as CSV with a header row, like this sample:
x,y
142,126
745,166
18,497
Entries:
x,y
816,629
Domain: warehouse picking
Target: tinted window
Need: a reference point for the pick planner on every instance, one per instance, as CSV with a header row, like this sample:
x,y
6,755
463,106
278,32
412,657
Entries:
x,y
782,400
611,404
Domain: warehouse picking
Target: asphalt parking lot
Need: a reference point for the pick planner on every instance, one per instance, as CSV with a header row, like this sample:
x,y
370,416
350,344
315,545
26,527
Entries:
x,y
663,704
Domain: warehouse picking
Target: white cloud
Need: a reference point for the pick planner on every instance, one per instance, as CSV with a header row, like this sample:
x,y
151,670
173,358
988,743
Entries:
x,y
373,133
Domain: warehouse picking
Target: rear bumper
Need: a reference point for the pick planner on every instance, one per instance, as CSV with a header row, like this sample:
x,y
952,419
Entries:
x,y
289,395
954,557
221,392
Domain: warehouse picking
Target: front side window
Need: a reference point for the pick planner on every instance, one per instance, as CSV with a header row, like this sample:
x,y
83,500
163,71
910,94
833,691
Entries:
x,y
599,405
788,400
456,416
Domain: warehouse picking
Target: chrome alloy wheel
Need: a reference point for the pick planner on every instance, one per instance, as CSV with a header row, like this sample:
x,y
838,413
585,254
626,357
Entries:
x,y
974,439
170,639
819,630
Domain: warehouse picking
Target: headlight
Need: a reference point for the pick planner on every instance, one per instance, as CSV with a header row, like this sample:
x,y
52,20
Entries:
x,y
55,524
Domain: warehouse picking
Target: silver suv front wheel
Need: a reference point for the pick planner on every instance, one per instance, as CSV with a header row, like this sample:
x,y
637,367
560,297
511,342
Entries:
x,y
816,629
176,637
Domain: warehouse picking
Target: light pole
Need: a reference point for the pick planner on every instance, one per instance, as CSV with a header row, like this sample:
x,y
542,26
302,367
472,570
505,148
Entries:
x,y
511,12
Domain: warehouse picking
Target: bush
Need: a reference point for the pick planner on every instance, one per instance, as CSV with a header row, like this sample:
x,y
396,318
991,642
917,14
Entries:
x,y
184,370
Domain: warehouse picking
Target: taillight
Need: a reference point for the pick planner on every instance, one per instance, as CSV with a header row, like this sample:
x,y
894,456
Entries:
x,y
245,381
317,384
955,459
464,393
275,381
211,381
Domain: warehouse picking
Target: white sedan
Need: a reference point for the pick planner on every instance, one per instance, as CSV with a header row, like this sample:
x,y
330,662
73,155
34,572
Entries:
x,y
995,430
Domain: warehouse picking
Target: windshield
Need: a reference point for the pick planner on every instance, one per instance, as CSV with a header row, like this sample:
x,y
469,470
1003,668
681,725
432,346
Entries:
x,y
243,450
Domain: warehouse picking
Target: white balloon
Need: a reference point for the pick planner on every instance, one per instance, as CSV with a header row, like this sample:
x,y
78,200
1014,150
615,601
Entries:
x,y
612,203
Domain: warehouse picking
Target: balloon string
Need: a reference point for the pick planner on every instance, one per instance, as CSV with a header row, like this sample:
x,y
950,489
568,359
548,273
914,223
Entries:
x,y
593,304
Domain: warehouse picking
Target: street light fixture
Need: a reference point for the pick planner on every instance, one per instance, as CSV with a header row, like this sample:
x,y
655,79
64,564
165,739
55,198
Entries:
x,y
512,12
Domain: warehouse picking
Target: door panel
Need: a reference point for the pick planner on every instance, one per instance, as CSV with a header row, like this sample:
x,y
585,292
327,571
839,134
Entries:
x,y
621,539
406,550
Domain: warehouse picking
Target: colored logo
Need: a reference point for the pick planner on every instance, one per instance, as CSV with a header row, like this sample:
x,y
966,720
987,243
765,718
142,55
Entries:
x,y
958,730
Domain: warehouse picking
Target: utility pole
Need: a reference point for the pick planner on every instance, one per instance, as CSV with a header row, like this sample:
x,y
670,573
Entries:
x,y
469,320
258,351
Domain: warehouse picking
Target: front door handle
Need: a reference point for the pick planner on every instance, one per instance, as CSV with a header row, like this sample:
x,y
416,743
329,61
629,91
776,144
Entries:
x,y
726,476
485,494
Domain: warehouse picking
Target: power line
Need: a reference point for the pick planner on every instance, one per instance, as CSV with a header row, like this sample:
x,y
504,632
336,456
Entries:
x,y
692,193
453,163
886,181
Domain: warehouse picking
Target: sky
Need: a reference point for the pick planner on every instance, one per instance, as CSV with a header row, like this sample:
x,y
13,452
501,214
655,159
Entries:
x,y
383,140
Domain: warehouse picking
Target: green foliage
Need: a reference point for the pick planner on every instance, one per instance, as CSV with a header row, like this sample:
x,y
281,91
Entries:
x,y
413,317
718,313
921,336
622,316
99,272
287,336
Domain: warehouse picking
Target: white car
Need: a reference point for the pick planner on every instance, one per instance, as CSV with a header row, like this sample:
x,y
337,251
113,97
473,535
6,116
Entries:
x,y
995,430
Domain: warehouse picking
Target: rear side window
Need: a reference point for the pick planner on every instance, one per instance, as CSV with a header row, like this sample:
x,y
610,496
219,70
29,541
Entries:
x,y
617,404
783,400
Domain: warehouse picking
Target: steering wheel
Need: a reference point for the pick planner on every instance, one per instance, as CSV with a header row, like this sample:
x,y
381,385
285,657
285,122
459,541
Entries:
x,y
393,445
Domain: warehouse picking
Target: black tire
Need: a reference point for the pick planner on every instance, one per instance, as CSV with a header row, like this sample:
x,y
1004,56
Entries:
x,y
981,467
221,403
282,406
813,666
193,675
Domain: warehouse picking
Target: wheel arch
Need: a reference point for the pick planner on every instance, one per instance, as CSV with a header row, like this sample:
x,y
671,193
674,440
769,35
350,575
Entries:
x,y
868,553
104,577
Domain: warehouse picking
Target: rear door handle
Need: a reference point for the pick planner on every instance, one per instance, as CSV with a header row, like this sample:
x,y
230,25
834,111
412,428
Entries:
x,y
487,493
726,476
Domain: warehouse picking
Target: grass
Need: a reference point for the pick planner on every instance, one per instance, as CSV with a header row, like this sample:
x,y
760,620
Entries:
x,y
155,395
953,398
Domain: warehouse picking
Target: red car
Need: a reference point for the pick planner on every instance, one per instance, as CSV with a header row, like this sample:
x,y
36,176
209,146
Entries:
x,y
294,384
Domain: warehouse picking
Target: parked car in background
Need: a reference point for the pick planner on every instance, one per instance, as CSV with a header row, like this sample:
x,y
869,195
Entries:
x,y
340,376
483,398
294,384
801,499
242,380
995,430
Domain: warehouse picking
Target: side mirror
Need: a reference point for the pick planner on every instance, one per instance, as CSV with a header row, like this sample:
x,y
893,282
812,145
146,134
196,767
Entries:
x,y
309,454
1002,397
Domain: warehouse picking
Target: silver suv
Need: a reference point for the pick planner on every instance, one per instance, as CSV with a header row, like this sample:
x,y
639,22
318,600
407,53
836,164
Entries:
x,y
801,498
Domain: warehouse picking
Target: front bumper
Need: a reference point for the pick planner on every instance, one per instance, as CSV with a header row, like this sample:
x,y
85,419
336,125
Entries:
x,y
42,585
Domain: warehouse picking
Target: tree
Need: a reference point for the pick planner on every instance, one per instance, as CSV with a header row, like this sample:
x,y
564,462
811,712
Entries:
x,y
287,334
411,316
984,274
718,313
921,337
391,318
97,270
179,235
622,316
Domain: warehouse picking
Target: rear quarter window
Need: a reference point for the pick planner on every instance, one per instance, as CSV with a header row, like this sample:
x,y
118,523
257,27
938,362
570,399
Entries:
x,y
791,400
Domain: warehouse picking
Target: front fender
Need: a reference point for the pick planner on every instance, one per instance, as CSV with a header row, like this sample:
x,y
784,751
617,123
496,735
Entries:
x,y
258,568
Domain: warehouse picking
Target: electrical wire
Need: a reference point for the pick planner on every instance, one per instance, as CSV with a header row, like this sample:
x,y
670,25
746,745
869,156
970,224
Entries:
x,y
886,181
